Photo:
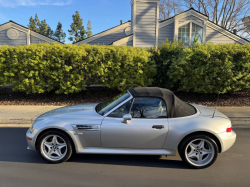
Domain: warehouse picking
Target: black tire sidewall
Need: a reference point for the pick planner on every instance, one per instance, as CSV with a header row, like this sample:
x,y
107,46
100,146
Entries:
x,y
191,138
66,139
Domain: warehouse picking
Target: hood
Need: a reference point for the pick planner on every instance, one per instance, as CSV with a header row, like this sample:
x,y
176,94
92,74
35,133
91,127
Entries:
x,y
206,111
81,110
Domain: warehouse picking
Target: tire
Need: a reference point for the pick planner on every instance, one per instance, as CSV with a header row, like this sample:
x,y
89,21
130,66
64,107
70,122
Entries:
x,y
55,147
198,151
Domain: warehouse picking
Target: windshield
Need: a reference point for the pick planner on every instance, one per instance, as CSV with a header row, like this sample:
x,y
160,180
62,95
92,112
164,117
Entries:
x,y
105,107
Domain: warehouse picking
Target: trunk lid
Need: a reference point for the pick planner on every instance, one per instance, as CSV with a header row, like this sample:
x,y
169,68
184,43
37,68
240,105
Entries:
x,y
209,112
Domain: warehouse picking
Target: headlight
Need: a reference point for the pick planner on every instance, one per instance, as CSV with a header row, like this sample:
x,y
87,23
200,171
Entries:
x,y
32,126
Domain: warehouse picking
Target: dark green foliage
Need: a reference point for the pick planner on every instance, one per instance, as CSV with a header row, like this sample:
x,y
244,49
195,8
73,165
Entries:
x,y
89,30
34,24
59,34
40,27
164,56
203,68
213,68
67,68
77,30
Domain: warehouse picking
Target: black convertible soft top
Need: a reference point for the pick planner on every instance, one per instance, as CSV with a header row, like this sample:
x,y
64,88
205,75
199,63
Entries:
x,y
175,106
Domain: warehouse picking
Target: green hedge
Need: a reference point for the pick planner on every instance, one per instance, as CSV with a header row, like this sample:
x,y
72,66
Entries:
x,y
164,56
66,68
204,68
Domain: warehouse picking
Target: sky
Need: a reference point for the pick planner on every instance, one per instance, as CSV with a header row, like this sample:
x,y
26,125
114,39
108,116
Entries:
x,y
103,14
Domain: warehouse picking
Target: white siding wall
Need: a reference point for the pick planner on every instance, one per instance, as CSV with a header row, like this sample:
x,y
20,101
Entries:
x,y
108,39
21,40
146,20
166,32
217,37
132,18
188,18
129,43
35,40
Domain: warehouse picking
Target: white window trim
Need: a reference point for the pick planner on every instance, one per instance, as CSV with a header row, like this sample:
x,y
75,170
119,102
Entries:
x,y
190,30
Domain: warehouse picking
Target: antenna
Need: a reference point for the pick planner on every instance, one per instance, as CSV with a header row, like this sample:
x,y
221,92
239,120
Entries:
x,y
216,104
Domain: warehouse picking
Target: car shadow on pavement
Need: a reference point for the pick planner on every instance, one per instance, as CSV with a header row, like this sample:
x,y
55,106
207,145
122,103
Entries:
x,y
13,148
130,160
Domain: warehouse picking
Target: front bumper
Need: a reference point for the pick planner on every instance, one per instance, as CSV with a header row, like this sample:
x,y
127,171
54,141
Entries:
x,y
227,140
30,141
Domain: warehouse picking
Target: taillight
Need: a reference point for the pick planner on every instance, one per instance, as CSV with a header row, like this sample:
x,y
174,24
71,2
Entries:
x,y
229,129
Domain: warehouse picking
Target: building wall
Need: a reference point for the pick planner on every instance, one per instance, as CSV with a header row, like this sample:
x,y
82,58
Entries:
x,y
166,32
129,43
218,38
21,40
35,40
108,39
188,18
132,18
146,20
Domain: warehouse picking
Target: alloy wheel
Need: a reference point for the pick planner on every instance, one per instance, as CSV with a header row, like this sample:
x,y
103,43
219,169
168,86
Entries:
x,y
53,147
199,152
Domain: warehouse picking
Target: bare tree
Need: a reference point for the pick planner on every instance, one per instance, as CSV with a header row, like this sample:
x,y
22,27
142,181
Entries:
x,y
246,27
229,14
169,8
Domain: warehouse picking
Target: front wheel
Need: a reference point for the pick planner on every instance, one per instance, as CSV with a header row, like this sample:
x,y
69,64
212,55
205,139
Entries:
x,y
199,151
55,147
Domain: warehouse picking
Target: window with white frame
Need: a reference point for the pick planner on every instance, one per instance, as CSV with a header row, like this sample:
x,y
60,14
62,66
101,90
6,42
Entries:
x,y
196,33
188,32
184,34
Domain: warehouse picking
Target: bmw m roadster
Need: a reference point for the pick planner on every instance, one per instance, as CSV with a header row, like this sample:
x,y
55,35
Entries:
x,y
143,121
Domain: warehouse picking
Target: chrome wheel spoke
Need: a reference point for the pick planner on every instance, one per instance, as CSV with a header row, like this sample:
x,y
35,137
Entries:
x,y
49,152
206,152
199,158
193,146
48,145
201,144
192,155
60,146
54,140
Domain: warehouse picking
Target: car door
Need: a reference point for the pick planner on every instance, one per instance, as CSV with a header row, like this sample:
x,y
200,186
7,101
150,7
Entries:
x,y
147,130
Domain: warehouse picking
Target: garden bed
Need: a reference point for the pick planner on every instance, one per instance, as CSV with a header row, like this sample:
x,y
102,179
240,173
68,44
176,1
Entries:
x,y
96,95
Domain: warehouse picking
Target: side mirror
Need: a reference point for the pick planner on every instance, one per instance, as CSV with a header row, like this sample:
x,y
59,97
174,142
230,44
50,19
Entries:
x,y
126,118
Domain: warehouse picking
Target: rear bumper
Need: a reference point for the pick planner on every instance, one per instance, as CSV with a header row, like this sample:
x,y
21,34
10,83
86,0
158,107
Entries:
x,y
30,141
227,140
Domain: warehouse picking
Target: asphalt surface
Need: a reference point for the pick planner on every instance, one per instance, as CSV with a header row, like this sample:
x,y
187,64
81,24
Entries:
x,y
20,167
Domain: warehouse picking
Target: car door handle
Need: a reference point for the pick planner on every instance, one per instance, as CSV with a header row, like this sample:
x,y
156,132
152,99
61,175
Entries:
x,y
158,127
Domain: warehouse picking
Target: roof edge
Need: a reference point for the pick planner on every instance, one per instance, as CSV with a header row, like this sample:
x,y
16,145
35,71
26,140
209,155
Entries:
x,y
102,32
31,30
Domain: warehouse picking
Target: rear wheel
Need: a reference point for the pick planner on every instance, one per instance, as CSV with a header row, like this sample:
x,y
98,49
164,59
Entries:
x,y
199,151
55,147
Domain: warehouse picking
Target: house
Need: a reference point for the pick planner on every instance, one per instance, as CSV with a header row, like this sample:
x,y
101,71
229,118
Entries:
x,y
13,34
146,30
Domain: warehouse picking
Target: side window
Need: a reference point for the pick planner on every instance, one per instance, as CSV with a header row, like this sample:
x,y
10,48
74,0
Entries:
x,y
149,107
121,111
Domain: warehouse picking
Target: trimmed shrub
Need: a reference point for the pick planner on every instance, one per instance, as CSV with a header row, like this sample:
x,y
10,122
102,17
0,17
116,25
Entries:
x,y
164,56
212,68
66,68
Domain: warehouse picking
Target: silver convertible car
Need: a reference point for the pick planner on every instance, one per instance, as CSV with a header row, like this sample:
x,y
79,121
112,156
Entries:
x,y
144,121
